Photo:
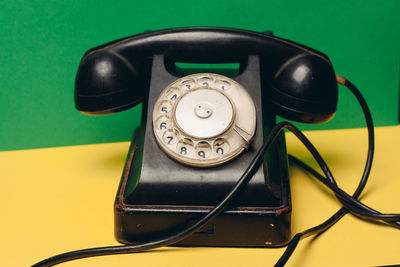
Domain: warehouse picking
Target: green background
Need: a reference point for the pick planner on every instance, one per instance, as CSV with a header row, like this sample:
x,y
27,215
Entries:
x,y
41,43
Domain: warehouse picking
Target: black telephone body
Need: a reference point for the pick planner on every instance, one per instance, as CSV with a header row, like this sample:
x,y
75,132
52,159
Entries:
x,y
163,188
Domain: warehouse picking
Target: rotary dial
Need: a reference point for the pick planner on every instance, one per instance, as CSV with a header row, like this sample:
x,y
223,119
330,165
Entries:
x,y
204,119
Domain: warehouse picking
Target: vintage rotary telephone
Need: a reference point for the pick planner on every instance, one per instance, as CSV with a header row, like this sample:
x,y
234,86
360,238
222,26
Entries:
x,y
201,131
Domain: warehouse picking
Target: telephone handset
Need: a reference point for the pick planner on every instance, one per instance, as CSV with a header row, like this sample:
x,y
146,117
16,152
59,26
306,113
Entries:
x,y
114,76
190,147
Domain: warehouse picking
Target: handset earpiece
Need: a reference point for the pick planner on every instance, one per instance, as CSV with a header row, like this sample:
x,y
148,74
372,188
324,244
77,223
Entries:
x,y
304,89
107,83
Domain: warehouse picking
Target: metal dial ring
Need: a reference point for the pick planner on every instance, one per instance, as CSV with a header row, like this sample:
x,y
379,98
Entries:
x,y
204,120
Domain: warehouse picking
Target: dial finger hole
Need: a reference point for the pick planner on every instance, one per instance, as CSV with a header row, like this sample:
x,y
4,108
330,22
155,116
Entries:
x,y
185,146
173,94
163,123
205,82
223,85
165,107
187,84
203,150
170,137
221,146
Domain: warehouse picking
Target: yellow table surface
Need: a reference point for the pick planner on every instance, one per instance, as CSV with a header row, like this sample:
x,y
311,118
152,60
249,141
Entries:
x,y
60,199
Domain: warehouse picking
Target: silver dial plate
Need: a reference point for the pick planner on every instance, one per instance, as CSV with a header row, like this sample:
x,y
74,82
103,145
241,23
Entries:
x,y
204,119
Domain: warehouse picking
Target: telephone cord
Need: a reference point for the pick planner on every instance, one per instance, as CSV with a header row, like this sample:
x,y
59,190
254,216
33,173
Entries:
x,y
350,203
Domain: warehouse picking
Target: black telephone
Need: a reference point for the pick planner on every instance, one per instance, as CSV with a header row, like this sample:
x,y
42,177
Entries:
x,y
200,131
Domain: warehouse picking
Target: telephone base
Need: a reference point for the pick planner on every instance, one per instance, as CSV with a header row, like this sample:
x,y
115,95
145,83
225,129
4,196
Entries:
x,y
159,196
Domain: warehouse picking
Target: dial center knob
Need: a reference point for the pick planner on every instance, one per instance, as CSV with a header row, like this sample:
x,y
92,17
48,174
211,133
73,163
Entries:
x,y
203,110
